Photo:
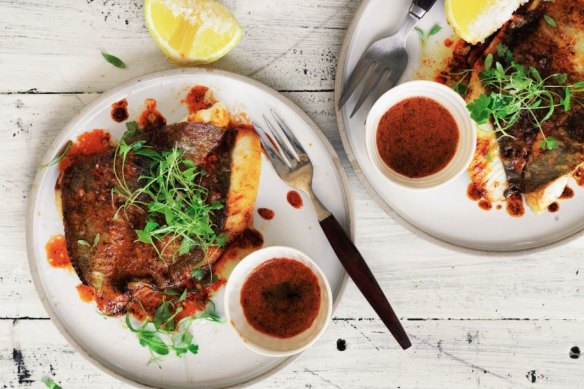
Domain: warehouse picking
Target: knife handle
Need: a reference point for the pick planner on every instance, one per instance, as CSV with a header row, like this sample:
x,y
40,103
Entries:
x,y
420,7
358,270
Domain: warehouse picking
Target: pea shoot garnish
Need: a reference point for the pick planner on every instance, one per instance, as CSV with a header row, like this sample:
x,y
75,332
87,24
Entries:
x,y
424,36
178,211
163,334
517,91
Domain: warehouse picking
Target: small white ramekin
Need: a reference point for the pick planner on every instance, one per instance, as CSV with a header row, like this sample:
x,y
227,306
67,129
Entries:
x,y
258,341
453,102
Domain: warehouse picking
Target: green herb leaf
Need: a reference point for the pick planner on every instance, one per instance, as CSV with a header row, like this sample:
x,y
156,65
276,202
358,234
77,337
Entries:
x,y
153,342
183,296
567,100
488,62
549,20
193,348
461,88
198,274
150,153
479,109
59,157
162,315
434,30
578,87
49,383
82,242
561,78
113,60
95,241
549,143
420,32
144,237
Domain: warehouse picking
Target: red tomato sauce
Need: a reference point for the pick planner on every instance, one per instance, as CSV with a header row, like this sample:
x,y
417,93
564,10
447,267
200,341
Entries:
x,y
151,119
417,137
295,199
89,143
86,293
281,298
195,100
57,254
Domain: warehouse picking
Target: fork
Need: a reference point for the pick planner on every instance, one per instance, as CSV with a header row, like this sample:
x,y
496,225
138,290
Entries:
x,y
384,61
292,164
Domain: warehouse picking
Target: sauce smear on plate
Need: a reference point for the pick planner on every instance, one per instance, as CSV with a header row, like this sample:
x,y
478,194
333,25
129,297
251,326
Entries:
x,y
294,199
57,252
417,137
281,298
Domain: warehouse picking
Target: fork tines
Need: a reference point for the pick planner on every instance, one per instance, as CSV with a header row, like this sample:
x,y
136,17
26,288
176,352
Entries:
x,y
280,143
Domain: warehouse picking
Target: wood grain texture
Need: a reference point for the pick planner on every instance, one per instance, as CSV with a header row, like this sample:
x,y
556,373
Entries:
x,y
298,38
475,322
475,354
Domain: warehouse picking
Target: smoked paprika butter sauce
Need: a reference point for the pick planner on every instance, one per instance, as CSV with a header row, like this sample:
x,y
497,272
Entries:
x,y
281,298
417,137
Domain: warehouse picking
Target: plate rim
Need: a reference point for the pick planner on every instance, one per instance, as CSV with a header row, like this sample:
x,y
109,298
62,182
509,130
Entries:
x,y
379,199
107,95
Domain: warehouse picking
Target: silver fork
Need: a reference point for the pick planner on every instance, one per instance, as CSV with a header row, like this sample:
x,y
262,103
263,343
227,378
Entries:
x,y
385,60
292,164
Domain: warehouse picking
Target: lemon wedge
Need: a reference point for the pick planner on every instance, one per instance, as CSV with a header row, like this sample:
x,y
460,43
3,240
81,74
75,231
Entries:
x,y
475,20
192,32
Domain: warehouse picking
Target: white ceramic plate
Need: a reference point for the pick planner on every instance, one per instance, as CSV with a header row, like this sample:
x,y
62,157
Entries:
x,y
222,360
444,216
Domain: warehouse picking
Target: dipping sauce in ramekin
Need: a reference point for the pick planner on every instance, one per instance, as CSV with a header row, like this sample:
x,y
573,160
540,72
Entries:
x,y
278,301
419,135
281,297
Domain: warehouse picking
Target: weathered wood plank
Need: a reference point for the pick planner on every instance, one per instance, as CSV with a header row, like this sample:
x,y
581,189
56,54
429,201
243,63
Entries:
x,y
290,45
445,354
423,281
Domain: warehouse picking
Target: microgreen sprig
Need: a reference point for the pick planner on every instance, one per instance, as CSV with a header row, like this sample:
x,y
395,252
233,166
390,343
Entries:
x,y
178,213
518,90
59,157
424,36
163,335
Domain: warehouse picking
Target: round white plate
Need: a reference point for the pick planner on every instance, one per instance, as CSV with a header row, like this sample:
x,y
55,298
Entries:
x,y
222,360
445,216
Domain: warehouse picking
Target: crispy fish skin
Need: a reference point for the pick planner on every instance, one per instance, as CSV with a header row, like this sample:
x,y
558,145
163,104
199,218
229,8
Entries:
x,y
117,259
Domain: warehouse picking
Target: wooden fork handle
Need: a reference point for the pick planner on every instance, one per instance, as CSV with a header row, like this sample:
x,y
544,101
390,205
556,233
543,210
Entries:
x,y
420,7
363,277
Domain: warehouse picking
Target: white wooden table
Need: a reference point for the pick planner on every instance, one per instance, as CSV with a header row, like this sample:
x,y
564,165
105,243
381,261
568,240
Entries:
x,y
475,322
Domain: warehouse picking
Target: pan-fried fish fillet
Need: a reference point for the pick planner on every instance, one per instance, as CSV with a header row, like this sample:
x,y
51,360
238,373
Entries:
x,y
541,175
231,159
551,49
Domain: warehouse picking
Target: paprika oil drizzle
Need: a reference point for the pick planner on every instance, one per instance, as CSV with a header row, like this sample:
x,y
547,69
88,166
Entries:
x,y
86,293
417,137
281,298
57,255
